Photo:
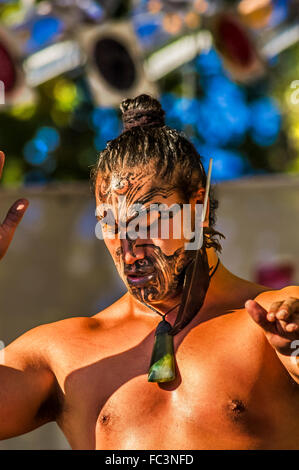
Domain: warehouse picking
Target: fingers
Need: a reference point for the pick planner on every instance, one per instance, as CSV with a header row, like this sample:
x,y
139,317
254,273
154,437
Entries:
x,y
258,314
14,216
286,314
271,316
280,324
291,327
287,308
2,160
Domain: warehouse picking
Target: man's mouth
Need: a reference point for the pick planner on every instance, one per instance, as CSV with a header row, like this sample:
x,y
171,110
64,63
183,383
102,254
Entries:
x,y
138,279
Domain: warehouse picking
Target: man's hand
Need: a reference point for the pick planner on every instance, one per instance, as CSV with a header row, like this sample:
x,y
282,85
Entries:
x,y
281,327
12,219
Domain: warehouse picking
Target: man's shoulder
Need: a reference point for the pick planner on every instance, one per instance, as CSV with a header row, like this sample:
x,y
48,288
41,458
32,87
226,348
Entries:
x,y
267,297
72,327
46,336
67,327
38,346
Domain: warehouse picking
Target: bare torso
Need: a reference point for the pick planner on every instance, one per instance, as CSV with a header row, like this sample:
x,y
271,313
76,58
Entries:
x,y
231,390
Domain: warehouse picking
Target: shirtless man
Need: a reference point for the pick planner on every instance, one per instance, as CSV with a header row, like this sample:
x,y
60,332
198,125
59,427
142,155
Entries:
x,y
237,383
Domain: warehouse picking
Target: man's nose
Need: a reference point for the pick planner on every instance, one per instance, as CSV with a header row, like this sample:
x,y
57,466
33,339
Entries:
x,y
131,251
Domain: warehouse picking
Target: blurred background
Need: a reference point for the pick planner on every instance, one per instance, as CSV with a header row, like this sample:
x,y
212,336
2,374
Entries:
x,y
227,74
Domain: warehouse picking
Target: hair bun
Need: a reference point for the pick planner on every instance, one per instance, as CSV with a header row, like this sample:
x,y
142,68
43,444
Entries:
x,y
142,111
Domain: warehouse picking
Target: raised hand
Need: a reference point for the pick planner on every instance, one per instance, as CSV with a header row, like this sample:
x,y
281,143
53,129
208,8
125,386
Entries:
x,y
281,327
12,219
280,323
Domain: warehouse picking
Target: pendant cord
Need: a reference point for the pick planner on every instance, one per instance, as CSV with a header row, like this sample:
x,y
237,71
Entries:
x,y
159,313
172,308
215,269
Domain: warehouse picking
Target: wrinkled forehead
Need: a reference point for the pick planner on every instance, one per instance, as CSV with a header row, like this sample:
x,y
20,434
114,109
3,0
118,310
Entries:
x,y
134,186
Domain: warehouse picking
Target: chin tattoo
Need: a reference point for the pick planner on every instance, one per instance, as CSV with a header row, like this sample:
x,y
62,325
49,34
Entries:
x,y
167,270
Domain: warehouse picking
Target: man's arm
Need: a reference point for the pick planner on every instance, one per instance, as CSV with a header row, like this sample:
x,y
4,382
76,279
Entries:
x,y
279,318
26,383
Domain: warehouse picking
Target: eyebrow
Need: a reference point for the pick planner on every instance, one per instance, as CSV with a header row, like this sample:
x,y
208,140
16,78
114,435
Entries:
x,y
147,210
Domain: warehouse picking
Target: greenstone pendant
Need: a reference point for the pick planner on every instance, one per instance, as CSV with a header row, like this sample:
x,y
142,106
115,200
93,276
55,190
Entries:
x,y
162,366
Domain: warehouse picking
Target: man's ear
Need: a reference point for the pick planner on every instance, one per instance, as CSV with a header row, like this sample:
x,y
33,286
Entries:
x,y
198,198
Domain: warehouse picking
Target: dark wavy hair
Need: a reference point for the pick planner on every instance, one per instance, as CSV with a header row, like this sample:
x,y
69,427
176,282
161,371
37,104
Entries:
x,y
146,138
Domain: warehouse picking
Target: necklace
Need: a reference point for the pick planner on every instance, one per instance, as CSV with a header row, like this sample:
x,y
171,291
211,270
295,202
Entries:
x,y
162,365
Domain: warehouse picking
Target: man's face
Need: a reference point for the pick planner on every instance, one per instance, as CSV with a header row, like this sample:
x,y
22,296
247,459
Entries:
x,y
150,264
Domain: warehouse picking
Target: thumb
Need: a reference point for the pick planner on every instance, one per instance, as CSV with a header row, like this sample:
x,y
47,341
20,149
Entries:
x,y
11,221
259,315
14,216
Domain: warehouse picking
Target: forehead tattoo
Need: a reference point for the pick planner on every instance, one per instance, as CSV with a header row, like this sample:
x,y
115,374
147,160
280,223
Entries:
x,y
131,184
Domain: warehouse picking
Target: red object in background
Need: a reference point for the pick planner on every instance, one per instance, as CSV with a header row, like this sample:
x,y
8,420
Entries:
x,y
233,41
8,73
276,275
238,47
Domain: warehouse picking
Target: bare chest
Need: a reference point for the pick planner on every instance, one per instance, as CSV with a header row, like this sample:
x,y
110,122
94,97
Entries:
x,y
229,393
